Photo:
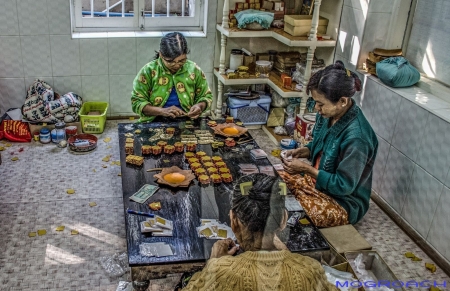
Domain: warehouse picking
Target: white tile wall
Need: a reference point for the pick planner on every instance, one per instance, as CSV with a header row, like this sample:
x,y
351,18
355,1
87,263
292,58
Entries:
x,y
58,14
94,56
395,184
10,57
33,17
202,53
411,121
369,99
65,55
212,9
380,6
375,33
386,108
122,56
30,80
120,87
439,236
63,85
422,200
95,88
358,4
351,32
9,22
380,164
434,153
36,55
146,48
12,93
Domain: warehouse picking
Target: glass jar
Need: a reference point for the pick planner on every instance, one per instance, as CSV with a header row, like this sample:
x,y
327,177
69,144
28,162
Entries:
x,y
60,128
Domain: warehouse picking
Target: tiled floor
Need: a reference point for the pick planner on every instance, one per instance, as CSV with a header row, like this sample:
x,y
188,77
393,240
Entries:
x,y
33,197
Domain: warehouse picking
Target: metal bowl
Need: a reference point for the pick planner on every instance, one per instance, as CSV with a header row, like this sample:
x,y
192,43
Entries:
x,y
83,142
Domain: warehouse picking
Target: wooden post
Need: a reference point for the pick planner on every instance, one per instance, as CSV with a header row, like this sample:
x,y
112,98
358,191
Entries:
x,y
218,112
309,60
225,12
223,46
315,20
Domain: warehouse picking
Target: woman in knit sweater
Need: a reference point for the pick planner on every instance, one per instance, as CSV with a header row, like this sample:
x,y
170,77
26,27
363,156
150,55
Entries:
x,y
342,152
265,264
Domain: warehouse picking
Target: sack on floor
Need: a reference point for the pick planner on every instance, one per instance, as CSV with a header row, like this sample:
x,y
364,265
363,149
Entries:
x,y
397,72
15,130
44,105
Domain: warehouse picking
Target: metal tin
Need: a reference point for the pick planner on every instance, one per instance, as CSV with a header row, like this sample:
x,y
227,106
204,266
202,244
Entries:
x,y
44,135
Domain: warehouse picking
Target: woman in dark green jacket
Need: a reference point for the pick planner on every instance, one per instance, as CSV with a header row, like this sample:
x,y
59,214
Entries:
x,y
344,144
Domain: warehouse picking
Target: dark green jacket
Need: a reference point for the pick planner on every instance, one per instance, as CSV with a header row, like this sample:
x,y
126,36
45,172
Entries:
x,y
349,149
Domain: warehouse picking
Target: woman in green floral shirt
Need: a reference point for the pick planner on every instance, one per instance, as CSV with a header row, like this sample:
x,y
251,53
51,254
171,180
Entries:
x,y
170,85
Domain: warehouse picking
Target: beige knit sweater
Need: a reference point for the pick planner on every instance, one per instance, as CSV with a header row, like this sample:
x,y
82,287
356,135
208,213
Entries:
x,y
267,271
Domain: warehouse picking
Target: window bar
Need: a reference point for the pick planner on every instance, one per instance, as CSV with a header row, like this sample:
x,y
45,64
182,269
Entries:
x,y
123,8
168,8
92,8
153,8
183,3
107,8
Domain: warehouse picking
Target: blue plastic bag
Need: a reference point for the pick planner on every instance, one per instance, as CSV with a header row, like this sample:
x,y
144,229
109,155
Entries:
x,y
397,72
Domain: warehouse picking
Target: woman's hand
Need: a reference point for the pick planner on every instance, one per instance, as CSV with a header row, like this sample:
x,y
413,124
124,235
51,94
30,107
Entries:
x,y
196,110
225,247
298,153
172,112
298,167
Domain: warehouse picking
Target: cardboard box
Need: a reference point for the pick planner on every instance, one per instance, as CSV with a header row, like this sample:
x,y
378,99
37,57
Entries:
x,y
375,264
345,238
303,30
300,25
330,257
36,127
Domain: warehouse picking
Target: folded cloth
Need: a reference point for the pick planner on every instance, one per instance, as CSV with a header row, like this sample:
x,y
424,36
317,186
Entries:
x,y
250,16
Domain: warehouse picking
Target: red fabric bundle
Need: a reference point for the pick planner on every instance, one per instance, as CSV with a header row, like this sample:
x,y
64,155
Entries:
x,y
15,130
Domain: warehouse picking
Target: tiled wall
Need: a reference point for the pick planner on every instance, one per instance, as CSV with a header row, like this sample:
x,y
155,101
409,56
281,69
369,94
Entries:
x,y
411,171
35,42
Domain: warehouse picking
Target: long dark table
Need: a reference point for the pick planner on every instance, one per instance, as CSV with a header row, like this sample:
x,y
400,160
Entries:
x,y
186,206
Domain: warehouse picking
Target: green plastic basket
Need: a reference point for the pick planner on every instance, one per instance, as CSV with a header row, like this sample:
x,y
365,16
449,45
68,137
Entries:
x,y
93,123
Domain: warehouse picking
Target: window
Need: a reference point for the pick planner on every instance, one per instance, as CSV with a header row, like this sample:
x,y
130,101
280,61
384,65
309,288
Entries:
x,y
138,15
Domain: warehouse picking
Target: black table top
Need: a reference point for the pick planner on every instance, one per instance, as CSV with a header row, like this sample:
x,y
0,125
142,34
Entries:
x,y
186,206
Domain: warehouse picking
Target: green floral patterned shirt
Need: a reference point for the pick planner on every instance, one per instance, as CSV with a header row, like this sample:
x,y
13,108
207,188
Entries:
x,y
154,82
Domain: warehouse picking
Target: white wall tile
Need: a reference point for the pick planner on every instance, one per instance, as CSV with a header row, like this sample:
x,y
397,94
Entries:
x,y
95,88
63,85
380,164
358,4
397,180
385,112
10,57
9,22
381,6
94,56
120,87
122,56
146,48
438,236
65,55
434,153
422,200
408,133
202,52
350,32
33,17
212,20
36,54
12,93
369,98
375,33
59,16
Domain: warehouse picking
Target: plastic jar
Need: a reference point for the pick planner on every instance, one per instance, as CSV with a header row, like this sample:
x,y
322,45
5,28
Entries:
x,y
60,128
44,135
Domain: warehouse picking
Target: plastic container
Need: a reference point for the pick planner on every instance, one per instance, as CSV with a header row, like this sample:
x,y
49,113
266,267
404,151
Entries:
x,y
44,135
250,112
60,128
93,123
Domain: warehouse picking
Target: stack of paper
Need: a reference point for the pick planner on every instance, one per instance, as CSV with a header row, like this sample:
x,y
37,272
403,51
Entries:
x,y
158,226
247,169
159,249
268,170
258,154
213,229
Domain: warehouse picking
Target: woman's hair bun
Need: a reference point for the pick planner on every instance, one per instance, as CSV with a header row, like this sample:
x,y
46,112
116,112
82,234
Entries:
x,y
339,65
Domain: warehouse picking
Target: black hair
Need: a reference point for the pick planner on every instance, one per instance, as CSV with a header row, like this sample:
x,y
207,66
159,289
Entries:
x,y
172,45
262,209
334,82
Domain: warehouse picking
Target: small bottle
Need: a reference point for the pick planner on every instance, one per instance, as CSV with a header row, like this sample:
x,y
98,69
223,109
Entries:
x,y
60,128
44,135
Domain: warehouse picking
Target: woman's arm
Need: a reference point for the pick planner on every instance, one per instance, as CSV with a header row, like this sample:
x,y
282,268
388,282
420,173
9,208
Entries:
x,y
202,91
171,111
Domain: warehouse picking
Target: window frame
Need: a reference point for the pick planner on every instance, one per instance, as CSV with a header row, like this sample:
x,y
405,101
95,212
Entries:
x,y
137,23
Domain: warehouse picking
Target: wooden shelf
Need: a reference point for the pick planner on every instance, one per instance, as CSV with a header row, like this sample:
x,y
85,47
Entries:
x,y
278,34
274,81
